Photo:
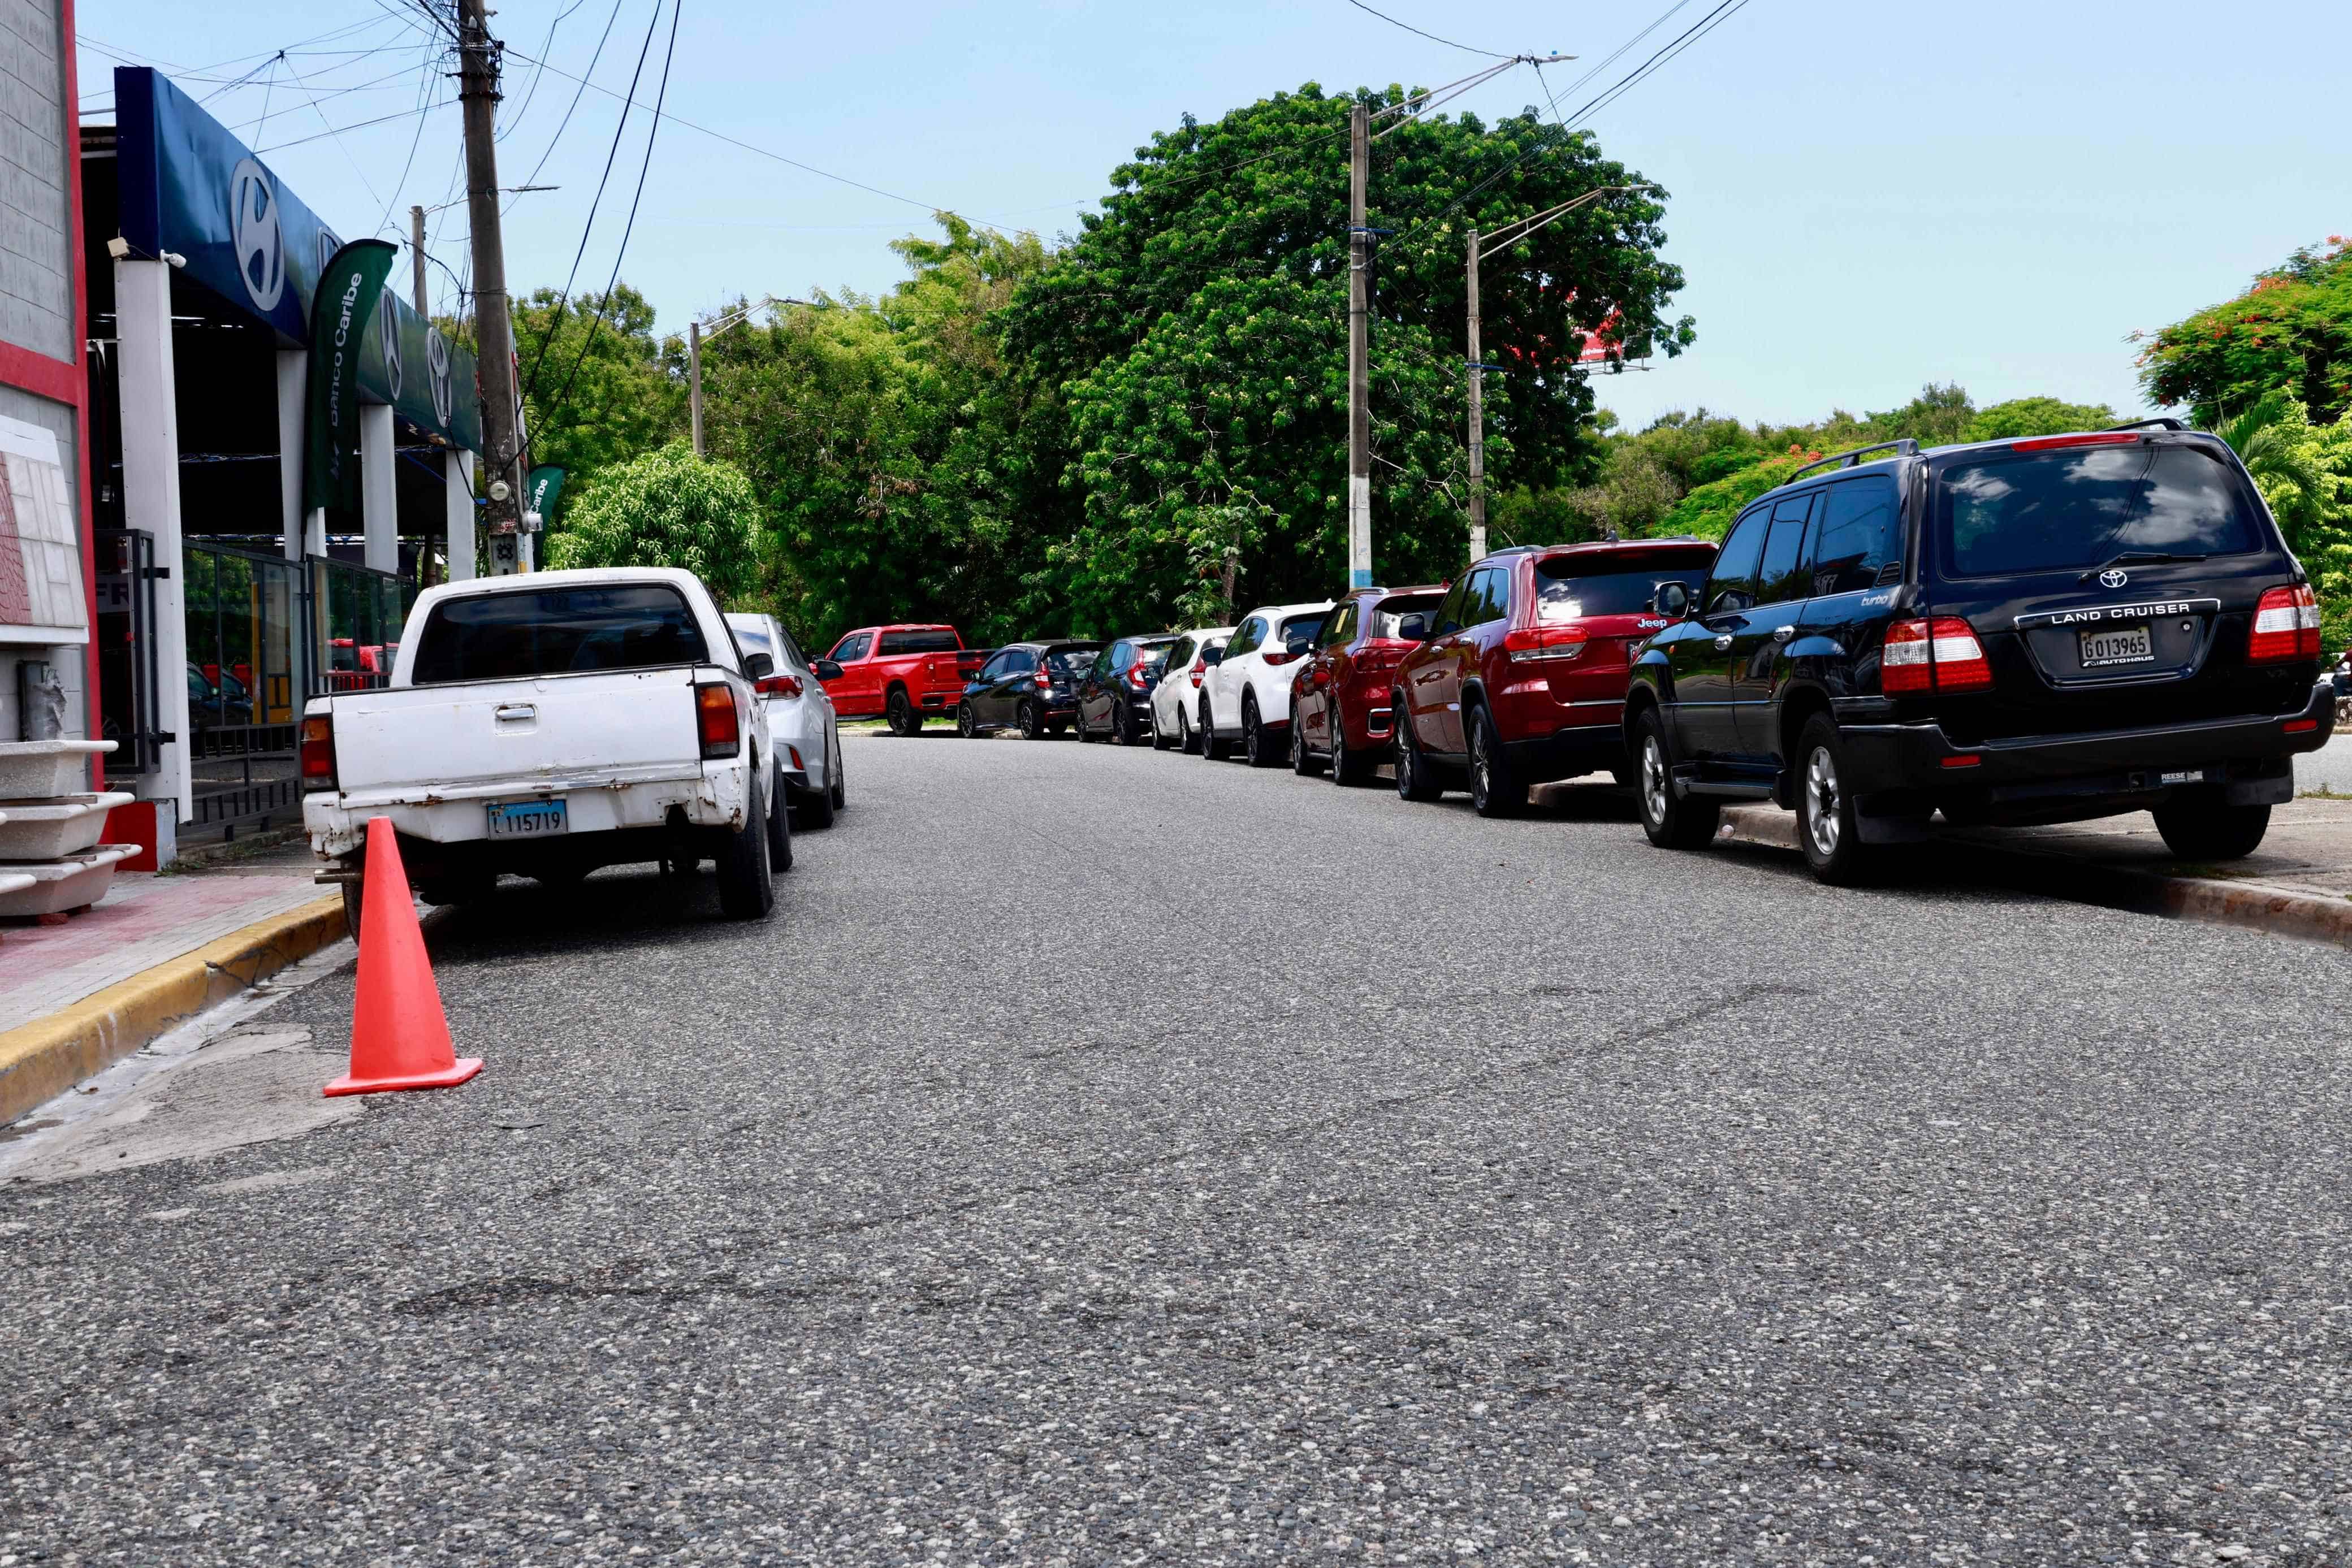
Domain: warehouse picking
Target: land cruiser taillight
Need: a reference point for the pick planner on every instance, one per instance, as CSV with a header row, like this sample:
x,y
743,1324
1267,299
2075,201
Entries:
x,y
2286,626
1532,642
714,714
1938,655
318,751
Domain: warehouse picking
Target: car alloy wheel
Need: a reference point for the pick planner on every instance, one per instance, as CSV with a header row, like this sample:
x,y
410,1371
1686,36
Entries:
x,y
1298,745
1655,780
902,714
1824,817
1033,722
1183,732
967,722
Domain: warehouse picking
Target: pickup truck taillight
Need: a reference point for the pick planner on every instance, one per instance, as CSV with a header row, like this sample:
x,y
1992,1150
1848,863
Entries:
x,y
319,751
2286,626
1938,655
714,714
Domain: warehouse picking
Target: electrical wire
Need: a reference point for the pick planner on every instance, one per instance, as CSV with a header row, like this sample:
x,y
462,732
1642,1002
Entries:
x,y
533,91
432,100
531,382
652,130
1433,37
565,124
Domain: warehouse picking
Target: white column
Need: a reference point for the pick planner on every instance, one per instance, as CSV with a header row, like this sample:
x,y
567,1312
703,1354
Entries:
x,y
378,495
458,490
151,502
304,535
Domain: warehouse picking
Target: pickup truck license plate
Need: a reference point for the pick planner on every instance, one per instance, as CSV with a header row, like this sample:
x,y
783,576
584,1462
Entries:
x,y
2118,645
530,820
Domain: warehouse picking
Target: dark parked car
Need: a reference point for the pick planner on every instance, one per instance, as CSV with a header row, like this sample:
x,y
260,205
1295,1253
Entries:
x,y
1114,694
1340,714
1522,680
2032,631
1033,684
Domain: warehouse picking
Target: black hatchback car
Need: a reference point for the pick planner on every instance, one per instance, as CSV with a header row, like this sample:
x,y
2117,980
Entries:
x,y
2032,631
1033,684
1114,694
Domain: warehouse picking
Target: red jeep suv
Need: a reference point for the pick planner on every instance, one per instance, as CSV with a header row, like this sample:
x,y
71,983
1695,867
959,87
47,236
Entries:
x,y
1340,714
1522,680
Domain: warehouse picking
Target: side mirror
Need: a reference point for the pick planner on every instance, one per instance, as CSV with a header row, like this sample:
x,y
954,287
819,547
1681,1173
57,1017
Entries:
x,y
758,667
1415,626
1673,600
827,669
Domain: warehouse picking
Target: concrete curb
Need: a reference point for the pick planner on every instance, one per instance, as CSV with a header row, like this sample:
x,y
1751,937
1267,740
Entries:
x,y
2283,912
43,1059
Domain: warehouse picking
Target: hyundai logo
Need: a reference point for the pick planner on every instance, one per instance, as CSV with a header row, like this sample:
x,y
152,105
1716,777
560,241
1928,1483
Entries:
x,y
2113,576
254,234
388,330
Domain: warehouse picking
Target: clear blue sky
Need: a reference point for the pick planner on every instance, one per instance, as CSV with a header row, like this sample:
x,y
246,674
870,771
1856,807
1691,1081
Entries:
x,y
1864,196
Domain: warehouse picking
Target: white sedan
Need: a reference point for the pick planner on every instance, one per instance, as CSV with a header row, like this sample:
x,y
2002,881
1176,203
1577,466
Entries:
x,y
1173,701
1246,698
806,735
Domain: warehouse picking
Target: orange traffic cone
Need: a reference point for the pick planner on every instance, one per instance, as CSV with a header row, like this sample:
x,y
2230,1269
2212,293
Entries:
x,y
399,1037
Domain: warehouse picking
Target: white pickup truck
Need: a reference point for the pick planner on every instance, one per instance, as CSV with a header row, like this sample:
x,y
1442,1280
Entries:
x,y
547,725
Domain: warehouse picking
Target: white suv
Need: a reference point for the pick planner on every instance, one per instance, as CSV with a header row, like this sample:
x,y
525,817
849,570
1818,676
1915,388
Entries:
x,y
807,735
1247,698
1189,659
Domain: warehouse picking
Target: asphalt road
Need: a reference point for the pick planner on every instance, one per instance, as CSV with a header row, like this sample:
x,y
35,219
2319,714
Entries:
x,y
1105,1156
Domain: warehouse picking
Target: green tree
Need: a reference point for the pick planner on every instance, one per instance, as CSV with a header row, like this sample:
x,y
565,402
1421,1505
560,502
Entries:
x,y
2290,330
668,507
1192,337
2305,474
595,398
2037,416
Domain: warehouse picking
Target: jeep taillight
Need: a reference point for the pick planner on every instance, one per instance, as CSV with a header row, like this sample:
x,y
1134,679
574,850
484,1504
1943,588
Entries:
x,y
1532,642
2286,626
1938,655
714,714
318,751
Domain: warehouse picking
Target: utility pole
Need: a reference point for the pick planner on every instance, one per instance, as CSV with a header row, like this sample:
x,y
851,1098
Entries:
x,y
1477,417
477,57
1360,378
416,262
694,380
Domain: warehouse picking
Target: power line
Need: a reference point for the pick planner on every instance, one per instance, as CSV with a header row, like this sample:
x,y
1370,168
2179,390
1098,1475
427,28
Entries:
x,y
1433,37
532,92
340,130
565,124
652,130
431,102
531,382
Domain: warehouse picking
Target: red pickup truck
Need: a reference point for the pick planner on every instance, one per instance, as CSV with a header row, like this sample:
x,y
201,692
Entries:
x,y
903,673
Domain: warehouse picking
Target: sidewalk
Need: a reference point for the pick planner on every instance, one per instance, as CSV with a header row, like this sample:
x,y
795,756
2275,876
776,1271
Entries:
x,y
156,949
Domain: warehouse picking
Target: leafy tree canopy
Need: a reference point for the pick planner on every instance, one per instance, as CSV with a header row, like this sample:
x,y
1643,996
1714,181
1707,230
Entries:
x,y
668,507
595,398
2290,330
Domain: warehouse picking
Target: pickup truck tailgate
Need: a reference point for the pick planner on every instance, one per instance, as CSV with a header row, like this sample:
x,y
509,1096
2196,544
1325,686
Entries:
x,y
562,732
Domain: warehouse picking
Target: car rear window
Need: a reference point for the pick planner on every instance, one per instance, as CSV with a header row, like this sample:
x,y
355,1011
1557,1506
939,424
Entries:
x,y
2076,508
1569,587
558,632
1394,609
1071,662
1298,631
751,640
917,642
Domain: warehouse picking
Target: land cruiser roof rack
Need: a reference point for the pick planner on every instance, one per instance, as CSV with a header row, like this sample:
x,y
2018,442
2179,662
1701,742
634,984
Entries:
x,y
1906,447
2162,421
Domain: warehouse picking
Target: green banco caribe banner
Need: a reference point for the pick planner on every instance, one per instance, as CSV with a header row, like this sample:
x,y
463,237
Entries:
x,y
542,492
349,289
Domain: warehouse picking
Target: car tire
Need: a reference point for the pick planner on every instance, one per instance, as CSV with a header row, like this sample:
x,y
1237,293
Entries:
x,y
1159,741
1348,768
1033,721
780,827
966,721
1413,779
1212,749
837,786
1184,740
355,896
747,877
1495,790
1828,830
1303,762
815,809
900,713
1086,735
2206,828
1672,824
1254,750
1125,731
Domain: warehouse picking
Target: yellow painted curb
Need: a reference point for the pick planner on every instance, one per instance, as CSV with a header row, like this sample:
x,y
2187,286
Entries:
x,y
43,1059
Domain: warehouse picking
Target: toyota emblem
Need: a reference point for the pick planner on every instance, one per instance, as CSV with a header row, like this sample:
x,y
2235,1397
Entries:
x,y
2113,576
254,234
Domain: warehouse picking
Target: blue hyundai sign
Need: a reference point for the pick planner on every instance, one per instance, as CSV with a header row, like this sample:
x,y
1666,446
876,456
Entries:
x,y
190,187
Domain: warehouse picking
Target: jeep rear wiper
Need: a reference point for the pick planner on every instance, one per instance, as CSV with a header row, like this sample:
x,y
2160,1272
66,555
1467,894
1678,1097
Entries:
x,y
2135,557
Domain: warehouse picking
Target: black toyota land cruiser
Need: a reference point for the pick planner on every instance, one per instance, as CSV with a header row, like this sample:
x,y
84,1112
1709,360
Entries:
x,y
2018,632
